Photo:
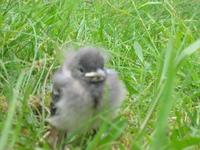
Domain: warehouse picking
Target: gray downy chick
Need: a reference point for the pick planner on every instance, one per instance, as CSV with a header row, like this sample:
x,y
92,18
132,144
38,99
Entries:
x,y
84,89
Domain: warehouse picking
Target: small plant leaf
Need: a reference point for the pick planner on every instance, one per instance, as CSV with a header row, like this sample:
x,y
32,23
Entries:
x,y
138,51
188,51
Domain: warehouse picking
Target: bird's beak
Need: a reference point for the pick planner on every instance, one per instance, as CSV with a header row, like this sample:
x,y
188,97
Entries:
x,y
96,76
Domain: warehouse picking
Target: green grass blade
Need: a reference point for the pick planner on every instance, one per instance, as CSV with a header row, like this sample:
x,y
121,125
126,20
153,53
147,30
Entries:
x,y
165,101
138,51
185,143
187,52
11,112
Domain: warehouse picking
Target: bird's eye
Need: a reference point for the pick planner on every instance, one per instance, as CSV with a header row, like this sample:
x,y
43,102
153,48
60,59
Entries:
x,y
81,69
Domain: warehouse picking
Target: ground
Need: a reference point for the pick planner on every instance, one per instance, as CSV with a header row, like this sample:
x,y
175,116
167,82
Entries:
x,y
152,44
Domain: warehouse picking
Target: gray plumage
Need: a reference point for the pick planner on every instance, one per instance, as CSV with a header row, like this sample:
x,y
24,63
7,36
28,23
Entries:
x,y
84,89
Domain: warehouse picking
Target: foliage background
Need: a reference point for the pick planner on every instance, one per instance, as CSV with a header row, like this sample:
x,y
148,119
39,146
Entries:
x,y
146,41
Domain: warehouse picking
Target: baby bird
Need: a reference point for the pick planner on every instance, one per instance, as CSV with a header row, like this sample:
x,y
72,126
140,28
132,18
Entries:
x,y
84,89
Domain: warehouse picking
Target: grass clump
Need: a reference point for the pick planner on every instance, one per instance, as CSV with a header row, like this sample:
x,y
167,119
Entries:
x,y
153,45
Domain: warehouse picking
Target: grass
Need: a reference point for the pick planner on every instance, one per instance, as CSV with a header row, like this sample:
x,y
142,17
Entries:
x,y
153,45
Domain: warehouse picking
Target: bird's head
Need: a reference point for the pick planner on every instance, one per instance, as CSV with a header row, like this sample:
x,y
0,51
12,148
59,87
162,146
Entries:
x,y
88,66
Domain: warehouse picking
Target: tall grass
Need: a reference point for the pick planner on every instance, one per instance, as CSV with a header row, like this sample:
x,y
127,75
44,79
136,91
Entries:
x,y
153,45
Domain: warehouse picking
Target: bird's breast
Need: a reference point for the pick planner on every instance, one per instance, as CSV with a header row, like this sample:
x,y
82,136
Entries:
x,y
96,92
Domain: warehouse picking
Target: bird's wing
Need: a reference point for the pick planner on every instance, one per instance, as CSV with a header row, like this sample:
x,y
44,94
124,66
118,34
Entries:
x,y
60,80
117,90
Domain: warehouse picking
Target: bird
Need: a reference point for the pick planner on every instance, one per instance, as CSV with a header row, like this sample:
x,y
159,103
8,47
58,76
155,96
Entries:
x,y
84,89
